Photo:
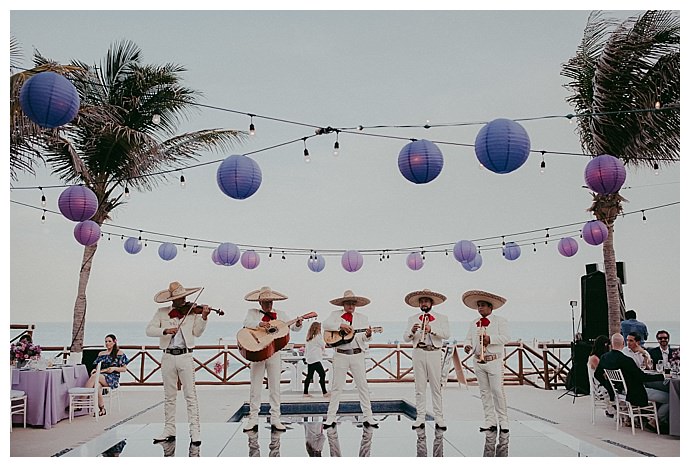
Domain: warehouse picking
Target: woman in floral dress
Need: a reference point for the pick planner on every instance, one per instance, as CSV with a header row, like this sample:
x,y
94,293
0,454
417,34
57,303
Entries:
x,y
113,362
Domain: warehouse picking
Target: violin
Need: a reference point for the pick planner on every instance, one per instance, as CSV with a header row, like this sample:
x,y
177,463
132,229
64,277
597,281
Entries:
x,y
197,309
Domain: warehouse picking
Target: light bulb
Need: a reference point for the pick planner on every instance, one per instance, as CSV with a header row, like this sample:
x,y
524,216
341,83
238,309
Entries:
x,y
542,167
43,217
126,192
156,119
252,130
656,169
43,200
657,105
336,149
182,181
307,159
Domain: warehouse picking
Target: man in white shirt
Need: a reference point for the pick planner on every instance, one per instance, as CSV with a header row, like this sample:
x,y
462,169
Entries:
x,y
635,351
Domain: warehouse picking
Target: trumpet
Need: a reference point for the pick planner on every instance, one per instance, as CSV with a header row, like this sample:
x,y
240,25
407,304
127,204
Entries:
x,y
425,320
482,332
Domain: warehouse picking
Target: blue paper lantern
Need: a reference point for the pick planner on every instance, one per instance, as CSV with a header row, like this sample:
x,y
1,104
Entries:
x,y
568,246
228,253
511,251
415,261
167,251
250,259
78,203
464,251
473,265
87,232
50,100
352,260
316,263
239,176
595,232
420,161
605,174
502,146
133,245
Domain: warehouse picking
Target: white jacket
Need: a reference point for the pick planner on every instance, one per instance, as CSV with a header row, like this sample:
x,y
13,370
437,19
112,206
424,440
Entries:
x,y
439,327
254,316
497,330
359,321
193,326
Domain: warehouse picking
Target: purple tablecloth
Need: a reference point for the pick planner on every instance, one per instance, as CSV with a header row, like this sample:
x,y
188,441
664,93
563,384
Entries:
x,y
46,391
674,407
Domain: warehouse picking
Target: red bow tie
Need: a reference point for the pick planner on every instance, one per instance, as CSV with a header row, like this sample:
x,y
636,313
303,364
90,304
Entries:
x,y
268,316
347,316
428,317
483,322
175,313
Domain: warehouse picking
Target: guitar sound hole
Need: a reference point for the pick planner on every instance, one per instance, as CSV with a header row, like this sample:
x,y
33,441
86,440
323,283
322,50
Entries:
x,y
342,333
272,330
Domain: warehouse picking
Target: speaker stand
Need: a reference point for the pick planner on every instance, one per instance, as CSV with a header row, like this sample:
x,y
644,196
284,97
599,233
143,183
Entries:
x,y
572,376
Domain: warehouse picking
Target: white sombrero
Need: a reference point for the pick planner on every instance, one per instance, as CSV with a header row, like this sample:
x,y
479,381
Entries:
x,y
264,294
471,297
412,298
173,292
349,296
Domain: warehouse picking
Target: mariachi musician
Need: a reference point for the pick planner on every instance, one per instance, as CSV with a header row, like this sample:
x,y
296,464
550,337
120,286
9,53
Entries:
x,y
261,318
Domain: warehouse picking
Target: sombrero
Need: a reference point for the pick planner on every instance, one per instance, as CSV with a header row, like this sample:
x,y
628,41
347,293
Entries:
x,y
471,297
412,298
264,294
349,296
173,292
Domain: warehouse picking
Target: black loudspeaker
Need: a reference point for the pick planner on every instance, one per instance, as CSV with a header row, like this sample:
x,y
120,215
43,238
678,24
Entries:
x,y
578,378
620,271
88,356
590,268
595,308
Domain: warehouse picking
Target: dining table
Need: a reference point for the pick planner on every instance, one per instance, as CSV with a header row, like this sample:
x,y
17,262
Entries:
x,y
674,407
47,392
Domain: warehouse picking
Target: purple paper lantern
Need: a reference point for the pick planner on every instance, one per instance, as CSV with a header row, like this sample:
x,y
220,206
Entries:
x,y
50,100
605,174
133,245
214,257
228,253
352,260
567,246
464,251
415,261
420,161
249,259
502,146
473,265
595,232
316,263
78,203
239,176
167,251
87,232
511,251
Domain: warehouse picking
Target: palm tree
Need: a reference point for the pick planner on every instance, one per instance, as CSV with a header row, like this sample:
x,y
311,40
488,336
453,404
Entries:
x,y
626,90
114,143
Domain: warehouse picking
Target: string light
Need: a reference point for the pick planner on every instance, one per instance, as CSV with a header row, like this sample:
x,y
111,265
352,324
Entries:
x,y
644,218
656,168
184,244
543,163
534,247
252,129
336,145
307,159
126,191
43,197
283,257
140,235
156,119
657,105
270,253
183,182
43,217
547,237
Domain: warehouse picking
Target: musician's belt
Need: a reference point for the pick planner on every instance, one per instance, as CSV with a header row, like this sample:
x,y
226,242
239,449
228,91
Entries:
x,y
487,358
424,346
178,351
349,351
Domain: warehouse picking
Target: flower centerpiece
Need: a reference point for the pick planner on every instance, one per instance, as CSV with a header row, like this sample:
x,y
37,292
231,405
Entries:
x,y
23,351
674,358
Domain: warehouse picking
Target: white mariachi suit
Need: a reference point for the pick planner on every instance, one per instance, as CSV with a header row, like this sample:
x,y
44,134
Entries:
x,y
427,362
271,367
178,366
490,374
355,363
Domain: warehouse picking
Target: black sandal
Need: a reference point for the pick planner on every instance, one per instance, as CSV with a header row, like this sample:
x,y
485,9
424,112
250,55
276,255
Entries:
x,y
101,410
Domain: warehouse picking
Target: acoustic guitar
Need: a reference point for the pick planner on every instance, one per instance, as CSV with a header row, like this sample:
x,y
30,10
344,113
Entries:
x,y
340,337
258,344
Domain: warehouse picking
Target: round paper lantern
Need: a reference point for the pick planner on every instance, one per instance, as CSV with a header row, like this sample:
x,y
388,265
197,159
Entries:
x,y
316,263
87,232
415,261
568,246
50,100
78,203
239,176
511,251
352,260
132,245
167,251
420,161
605,174
502,146
595,232
249,259
464,251
228,253
214,257
473,265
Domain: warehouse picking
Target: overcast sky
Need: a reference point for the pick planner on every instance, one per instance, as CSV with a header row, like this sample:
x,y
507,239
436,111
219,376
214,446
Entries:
x,y
344,69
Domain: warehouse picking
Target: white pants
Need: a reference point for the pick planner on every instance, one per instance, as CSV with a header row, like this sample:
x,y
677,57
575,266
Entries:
x,y
356,365
271,367
182,367
427,366
490,379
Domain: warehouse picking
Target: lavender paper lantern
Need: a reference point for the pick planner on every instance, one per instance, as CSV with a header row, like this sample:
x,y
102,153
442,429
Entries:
x,y
249,259
214,257
133,245
50,100
415,261
239,176
567,246
316,263
420,161
595,232
167,251
228,253
502,146
464,251
511,251
78,203
87,232
473,265
605,174
352,260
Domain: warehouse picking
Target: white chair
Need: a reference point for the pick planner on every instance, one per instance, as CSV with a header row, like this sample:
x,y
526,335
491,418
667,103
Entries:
x,y
85,398
598,395
17,405
110,393
624,407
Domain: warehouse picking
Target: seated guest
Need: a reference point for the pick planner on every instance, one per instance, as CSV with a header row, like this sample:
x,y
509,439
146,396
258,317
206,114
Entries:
x,y
601,346
664,352
635,351
113,362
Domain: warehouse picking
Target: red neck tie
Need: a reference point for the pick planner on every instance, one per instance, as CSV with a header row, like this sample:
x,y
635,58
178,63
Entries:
x,y
483,322
429,317
175,313
347,317
268,316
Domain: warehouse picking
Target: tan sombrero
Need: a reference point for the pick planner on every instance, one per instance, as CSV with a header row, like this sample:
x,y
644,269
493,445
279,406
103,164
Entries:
x,y
173,292
471,297
264,294
412,298
349,296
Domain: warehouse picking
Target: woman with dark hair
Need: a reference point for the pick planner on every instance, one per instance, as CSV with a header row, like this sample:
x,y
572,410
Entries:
x,y
602,344
113,362
313,355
